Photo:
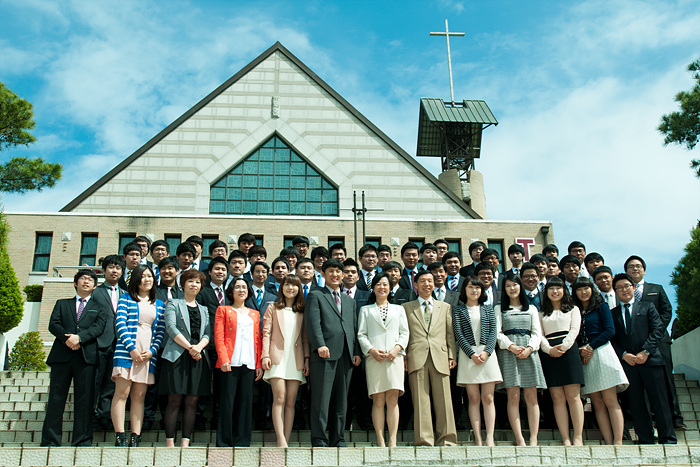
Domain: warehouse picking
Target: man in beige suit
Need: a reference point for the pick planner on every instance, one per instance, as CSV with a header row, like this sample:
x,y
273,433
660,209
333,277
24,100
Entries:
x,y
430,356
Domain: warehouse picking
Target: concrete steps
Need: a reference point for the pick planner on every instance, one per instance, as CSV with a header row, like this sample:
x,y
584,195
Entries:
x,y
23,397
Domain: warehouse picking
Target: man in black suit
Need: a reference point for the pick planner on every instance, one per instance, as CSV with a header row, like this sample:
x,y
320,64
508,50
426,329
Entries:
x,y
213,295
260,297
638,331
107,294
237,263
485,272
305,273
159,251
132,258
475,249
280,269
397,295
77,323
654,293
409,256
359,402
530,277
330,324
368,259
168,289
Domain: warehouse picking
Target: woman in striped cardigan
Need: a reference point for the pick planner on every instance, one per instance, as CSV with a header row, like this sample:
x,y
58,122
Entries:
x,y
476,329
140,328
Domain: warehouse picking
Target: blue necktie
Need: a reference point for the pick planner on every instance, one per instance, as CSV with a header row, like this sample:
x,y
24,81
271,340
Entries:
x,y
259,298
637,293
306,290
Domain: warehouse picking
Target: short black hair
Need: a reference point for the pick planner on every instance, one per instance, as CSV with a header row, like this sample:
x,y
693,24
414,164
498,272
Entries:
x,y
365,248
257,250
593,257
237,254
247,237
435,265
638,258
473,280
553,259
384,248
284,260
217,244
551,248
185,247
304,260
169,261
300,239
392,265
600,270
321,251
481,266
351,262
422,273
408,246
195,239
623,276
216,260
113,259
569,259
158,243
441,240
527,266
427,246
260,263
450,255
232,284
290,251
143,238
85,272
476,244
131,246
488,252
332,263
538,258
516,248
338,246
575,244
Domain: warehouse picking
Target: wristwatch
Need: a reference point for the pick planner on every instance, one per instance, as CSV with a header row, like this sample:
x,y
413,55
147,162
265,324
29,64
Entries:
x,y
646,352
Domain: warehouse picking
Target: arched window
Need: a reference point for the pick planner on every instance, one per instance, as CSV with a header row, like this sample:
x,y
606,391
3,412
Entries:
x,y
274,180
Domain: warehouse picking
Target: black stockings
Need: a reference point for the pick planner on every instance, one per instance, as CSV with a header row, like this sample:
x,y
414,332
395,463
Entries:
x,y
188,416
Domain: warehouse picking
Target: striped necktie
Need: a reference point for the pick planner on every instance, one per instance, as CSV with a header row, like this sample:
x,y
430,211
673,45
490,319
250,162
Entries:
x,y
259,299
452,282
81,307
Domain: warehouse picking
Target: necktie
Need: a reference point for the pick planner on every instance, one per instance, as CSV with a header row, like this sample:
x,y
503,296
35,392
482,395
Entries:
x,y
369,281
306,290
169,294
610,300
115,298
128,277
540,287
427,313
637,292
318,280
438,294
413,282
220,296
452,282
156,271
81,307
259,298
489,295
336,296
628,319
349,292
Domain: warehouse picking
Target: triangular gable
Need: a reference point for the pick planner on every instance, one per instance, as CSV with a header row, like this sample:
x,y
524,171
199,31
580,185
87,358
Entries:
x,y
277,47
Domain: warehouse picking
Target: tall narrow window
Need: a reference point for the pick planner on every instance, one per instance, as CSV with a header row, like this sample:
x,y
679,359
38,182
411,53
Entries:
x,y
275,181
498,246
42,252
454,245
124,239
173,241
418,241
207,240
88,249
375,241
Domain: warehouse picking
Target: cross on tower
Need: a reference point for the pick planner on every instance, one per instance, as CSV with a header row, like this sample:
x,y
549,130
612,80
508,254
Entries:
x,y
447,35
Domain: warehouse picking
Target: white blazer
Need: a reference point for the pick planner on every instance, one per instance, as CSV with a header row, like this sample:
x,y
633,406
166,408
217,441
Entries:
x,y
372,332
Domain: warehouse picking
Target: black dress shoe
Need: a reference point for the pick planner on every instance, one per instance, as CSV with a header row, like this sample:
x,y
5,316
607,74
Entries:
x,y
135,440
679,425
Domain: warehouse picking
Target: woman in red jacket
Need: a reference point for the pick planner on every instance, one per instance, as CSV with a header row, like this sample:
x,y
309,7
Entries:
x,y
238,345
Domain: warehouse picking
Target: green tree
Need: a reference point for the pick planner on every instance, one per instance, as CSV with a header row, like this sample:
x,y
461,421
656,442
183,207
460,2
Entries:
x,y
28,353
11,302
686,279
21,174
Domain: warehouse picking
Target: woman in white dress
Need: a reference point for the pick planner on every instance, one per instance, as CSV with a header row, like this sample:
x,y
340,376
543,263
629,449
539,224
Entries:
x,y
382,332
475,331
602,370
285,354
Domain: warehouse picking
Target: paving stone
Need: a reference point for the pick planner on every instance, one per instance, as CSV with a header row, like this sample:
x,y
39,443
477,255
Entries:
x,y
34,456
28,437
10,456
528,455
379,455
399,453
246,456
298,456
115,456
61,456
88,456
676,454
427,453
193,456
351,457
272,456
553,455
602,454
324,456
692,435
694,452
453,453
651,454
142,456
220,457
166,456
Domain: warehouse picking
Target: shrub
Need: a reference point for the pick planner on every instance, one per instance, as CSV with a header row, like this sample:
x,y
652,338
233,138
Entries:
x,y
686,279
34,292
11,302
28,353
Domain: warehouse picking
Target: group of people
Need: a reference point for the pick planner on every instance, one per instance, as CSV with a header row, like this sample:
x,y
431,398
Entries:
x,y
176,332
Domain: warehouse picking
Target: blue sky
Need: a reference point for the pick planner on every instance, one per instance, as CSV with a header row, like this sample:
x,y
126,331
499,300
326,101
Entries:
x,y
578,89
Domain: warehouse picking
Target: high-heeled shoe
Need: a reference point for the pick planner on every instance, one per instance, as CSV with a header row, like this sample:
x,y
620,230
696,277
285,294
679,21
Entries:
x,y
121,440
135,440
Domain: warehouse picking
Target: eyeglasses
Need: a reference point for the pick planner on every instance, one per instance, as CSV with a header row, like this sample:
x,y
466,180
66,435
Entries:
x,y
624,287
635,266
530,276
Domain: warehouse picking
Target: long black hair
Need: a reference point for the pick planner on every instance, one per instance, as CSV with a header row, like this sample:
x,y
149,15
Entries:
x,y
135,282
595,301
472,280
567,304
375,281
505,299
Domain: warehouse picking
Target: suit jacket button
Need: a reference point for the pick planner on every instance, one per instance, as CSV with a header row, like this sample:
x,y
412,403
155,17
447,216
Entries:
x,y
228,339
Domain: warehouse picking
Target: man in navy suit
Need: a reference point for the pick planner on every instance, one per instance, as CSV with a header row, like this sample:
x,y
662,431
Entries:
x,y
107,294
237,262
475,249
260,297
358,400
368,259
132,258
305,273
77,323
409,256
332,329
452,266
655,293
638,331
485,272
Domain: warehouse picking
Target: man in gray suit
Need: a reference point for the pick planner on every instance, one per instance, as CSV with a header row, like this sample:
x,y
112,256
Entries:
x,y
331,326
107,294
